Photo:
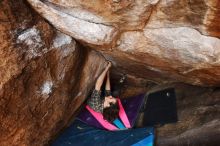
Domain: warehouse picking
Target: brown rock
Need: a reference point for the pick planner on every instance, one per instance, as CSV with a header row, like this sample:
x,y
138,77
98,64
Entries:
x,y
45,77
177,40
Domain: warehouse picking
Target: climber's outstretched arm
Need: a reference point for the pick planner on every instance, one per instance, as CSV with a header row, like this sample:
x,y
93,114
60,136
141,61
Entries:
x,y
101,78
108,85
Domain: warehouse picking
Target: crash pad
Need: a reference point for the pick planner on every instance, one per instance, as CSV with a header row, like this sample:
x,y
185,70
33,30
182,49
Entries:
x,y
131,106
81,134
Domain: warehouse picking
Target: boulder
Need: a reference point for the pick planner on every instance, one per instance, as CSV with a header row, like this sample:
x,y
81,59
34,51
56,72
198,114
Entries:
x,y
178,40
45,76
51,56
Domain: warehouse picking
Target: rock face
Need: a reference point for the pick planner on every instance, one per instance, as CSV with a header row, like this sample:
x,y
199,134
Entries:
x,y
46,74
178,40
43,76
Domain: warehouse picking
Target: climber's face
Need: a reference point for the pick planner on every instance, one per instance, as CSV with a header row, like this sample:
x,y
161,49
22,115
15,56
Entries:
x,y
109,100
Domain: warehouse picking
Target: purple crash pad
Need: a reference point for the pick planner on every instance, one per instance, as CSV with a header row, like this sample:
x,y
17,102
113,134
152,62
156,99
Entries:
x,y
131,106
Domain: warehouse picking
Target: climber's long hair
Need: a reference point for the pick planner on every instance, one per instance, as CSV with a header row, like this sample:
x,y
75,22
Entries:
x,y
111,113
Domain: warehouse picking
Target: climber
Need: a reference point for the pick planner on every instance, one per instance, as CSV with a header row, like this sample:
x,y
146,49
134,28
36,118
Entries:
x,y
107,106
109,109
104,114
